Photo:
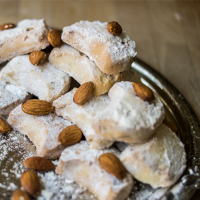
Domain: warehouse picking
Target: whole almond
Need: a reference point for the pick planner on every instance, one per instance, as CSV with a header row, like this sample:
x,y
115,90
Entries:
x,y
37,107
7,26
171,125
39,163
54,37
31,183
37,57
70,135
20,195
113,165
143,92
114,28
4,126
83,92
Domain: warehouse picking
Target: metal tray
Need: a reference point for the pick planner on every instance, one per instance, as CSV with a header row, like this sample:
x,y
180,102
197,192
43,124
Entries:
x,y
188,125
177,109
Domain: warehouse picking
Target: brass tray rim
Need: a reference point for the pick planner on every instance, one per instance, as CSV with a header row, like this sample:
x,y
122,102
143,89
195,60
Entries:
x,y
178,106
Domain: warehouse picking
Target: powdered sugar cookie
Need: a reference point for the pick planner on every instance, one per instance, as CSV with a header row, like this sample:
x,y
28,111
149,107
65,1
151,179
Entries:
x,y
128,118
83,115
43,131
83,69
80,163
45,81
27,36
112,54
158,162
10,97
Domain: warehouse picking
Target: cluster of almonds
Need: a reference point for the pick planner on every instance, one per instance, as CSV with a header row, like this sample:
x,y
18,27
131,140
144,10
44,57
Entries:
x,y
71,134
30,180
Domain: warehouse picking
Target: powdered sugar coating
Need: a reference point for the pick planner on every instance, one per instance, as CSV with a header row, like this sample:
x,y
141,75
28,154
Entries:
x,y
142,114
124,88
86,65
42,130
29,35
45,81
83,115
10,97
84,152
128,118
90,174
81,68
158,162
23,27
91,37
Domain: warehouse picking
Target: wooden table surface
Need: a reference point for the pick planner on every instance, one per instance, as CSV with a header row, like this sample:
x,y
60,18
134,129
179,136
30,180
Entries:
x,y
167,33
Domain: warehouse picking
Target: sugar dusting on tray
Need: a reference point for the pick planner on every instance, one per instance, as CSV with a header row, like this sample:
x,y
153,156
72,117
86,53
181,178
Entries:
x,y
15,148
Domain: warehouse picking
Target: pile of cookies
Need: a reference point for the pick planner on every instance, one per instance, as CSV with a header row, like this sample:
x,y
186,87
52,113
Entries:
x,y
106,132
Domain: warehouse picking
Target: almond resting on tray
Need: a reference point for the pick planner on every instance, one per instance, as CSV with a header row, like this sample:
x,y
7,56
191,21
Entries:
x,y
84,84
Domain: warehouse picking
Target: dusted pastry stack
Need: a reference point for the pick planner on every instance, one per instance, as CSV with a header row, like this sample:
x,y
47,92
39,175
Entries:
x,y
110,106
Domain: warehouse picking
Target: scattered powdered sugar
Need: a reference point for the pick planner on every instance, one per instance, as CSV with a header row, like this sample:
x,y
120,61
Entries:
x,y
15,148
58,187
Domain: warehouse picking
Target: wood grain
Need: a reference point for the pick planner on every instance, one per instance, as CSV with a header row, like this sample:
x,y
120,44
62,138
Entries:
x,y
167,33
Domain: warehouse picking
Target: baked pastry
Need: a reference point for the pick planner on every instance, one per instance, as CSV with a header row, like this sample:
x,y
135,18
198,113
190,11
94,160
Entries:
x,y
80,163
112,54
83,69
42,130
45,81
10,97
83,115
28,36
128,118
158,162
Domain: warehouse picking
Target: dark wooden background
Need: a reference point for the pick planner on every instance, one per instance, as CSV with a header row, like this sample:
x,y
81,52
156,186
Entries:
x,y
167,33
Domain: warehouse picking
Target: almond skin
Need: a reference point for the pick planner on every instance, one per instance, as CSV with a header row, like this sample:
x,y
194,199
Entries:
x,y
83,93
7,26
19,194
143,92
37,107
112,165
54,37
70,135
37,57
114,28
31,183
171,125
39,163
4,126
